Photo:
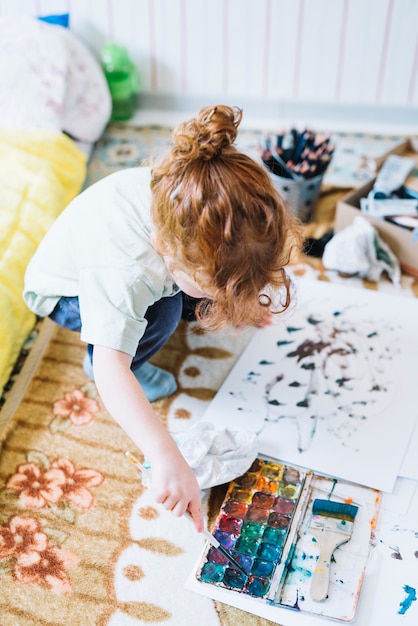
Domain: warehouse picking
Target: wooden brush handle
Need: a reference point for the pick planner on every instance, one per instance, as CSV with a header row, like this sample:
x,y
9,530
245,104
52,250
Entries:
x,y
320,577
328,542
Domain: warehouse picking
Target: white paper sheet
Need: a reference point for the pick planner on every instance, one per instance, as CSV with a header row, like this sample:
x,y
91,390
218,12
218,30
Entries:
x,y
409,468
390,588
331,388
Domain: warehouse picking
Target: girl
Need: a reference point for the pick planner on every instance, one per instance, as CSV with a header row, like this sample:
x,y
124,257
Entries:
x,y
205,222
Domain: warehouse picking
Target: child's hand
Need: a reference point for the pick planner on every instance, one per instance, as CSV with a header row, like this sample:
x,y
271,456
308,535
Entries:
x,y
176,488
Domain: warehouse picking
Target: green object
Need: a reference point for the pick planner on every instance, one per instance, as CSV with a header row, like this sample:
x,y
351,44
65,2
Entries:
x,y
123,79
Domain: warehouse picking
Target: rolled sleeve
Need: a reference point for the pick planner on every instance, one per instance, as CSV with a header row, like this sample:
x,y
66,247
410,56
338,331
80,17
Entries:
x,y
113,303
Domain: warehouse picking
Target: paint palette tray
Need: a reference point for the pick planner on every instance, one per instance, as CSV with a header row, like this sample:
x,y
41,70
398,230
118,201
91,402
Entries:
x,y
264,522
254,524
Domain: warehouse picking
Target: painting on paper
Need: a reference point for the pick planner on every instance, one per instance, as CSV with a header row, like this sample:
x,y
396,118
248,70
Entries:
x,y
332,386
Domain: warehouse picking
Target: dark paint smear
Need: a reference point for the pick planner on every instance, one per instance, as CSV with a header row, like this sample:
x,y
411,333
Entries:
x,y
307,366
342,381
309,348
396,553
313,321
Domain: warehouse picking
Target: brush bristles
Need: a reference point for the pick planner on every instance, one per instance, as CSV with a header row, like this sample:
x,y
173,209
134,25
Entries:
x,y
339,510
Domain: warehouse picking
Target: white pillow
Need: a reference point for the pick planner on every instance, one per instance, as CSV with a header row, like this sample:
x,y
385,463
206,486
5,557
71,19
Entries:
x,y
50,80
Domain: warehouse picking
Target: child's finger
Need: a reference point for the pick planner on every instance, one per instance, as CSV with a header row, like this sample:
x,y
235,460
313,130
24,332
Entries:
x,y
195,511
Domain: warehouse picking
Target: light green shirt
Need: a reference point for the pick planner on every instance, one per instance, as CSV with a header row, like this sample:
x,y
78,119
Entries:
x,y
100,250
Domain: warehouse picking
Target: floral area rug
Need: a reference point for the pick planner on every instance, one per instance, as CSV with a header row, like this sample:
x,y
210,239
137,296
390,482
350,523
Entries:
x,y
81,540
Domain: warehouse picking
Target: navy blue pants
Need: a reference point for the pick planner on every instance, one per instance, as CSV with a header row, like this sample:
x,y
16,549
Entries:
x,y
162,317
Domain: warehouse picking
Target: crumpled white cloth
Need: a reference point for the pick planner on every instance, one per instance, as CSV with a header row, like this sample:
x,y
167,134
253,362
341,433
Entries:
x,y
217,456
358,249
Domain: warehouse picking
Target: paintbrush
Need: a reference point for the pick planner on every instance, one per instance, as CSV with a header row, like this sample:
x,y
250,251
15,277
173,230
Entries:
x,y
331,525
208,536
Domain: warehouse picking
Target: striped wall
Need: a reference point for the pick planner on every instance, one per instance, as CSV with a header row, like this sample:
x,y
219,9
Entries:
x,y
342,52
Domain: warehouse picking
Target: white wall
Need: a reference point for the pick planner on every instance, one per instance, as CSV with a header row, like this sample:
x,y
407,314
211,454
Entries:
x,y
353,57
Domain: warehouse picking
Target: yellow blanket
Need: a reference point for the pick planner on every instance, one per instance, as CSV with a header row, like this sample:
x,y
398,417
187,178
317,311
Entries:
x,y
40,172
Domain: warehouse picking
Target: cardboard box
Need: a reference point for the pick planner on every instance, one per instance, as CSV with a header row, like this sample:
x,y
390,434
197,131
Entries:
x,y
402,241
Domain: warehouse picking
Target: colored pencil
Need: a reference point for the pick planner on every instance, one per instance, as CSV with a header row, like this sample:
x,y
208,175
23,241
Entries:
x,y
297,154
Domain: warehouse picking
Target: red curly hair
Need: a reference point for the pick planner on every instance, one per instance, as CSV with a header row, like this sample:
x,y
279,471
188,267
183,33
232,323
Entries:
x,y
219,216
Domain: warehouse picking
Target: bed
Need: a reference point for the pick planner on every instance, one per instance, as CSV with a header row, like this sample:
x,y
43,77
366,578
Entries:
x,y
54,104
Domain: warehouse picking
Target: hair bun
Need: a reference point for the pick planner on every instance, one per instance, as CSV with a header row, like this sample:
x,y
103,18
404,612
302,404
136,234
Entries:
x,y
207,135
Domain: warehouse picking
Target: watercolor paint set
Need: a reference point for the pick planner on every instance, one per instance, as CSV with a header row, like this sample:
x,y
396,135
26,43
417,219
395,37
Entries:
x,y
269,521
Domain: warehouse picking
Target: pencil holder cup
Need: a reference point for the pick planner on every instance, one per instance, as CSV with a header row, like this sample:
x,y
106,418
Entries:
x,y
301,194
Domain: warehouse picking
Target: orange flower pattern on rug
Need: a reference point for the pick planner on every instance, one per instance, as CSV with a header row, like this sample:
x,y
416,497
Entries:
x,y
35,560
23,541
36,488
77,407
63,481
77,483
